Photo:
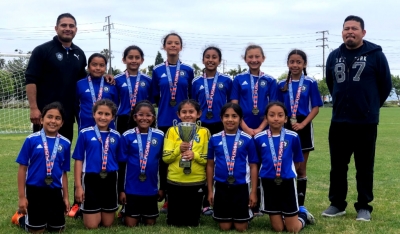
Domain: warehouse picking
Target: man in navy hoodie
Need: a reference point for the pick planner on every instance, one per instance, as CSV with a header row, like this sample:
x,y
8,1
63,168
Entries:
x,y
358,78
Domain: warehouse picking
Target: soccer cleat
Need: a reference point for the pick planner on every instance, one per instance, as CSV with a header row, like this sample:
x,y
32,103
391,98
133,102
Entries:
x,y
363,215
164,208
16,218
333,211
207,211
257,213
74,209
310,217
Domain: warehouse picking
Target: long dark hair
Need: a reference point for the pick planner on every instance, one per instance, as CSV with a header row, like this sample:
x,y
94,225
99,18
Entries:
x,y
304,57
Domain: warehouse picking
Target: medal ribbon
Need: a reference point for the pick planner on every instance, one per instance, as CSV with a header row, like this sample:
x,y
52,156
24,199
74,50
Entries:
x,y
104,148
210,95
92,89
277,161
49,160
173,86
143,157
230,161
254,88
295,104
132,98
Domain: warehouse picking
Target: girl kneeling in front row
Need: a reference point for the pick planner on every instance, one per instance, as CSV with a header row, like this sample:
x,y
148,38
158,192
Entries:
x,y
96,167
141,152
280,152
232,164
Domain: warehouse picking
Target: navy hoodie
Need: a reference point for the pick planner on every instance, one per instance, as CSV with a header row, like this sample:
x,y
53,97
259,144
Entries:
x,y
359,81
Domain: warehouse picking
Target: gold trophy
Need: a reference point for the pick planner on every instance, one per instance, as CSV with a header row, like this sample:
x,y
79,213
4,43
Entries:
x,y
187,132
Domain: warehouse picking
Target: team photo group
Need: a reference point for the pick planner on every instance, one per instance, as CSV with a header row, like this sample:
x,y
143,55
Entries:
x,y
209,145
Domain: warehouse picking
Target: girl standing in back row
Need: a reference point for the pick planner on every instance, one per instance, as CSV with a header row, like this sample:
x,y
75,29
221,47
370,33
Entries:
x,y
171,84
253,90
132,85
302,99
211,90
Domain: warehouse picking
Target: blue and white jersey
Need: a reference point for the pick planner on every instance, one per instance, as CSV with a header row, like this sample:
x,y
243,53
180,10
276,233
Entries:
x,y
143,93
291,154
309,96
130,155
161,91
242,92
221,96
32,155
246,154
84,101
89,150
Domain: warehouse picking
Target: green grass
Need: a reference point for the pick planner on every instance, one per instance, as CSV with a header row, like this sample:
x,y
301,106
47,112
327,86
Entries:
x,y
386,215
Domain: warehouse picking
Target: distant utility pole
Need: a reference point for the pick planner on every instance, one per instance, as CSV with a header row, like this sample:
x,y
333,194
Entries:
x,y
323,50
223,66
108,27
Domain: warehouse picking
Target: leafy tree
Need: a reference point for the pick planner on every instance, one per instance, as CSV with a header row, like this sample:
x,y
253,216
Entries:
x,y
17,68
235,72
159,58
323,89
115,71
2,63
7,86
150,70
283,76
106,53
197,70
143,70
396,86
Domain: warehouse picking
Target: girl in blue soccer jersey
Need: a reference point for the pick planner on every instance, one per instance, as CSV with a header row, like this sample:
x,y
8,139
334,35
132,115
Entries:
x,y
280,153
186,168
171,84
232,165
132,85
253,90
211,90
44,160
93,88
96,167
302,99
141,152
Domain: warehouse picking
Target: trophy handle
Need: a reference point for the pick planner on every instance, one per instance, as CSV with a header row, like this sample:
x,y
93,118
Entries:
x,y
198,123
175,126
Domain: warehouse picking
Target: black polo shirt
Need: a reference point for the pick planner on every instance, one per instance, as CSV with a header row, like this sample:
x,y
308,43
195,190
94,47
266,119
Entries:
x,y
55,71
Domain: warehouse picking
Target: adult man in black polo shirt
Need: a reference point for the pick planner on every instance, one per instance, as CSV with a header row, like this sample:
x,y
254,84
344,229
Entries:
x,y
52,73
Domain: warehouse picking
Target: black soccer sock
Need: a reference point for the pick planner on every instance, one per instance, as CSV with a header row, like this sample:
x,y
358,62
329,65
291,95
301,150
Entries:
x,y
302,218
301,190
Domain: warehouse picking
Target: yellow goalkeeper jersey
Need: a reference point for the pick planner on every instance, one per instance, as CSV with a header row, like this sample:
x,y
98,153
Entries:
x,y
172,156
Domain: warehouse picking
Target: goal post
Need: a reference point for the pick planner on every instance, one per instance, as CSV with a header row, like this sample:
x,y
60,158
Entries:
x,y
14,107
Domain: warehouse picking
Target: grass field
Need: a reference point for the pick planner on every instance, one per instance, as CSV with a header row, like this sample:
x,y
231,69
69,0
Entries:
x,y
385,218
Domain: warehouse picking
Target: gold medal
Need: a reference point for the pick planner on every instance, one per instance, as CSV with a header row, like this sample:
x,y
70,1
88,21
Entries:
x,y
278,180
142,177
209,115
231,179
172,102
103,174
48,180
255,111
293,120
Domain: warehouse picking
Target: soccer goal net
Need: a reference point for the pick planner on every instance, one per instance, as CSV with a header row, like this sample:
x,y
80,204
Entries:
x,y
14,107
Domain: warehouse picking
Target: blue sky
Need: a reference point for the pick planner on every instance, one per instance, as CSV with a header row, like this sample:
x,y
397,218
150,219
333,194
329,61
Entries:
x,y
278,26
